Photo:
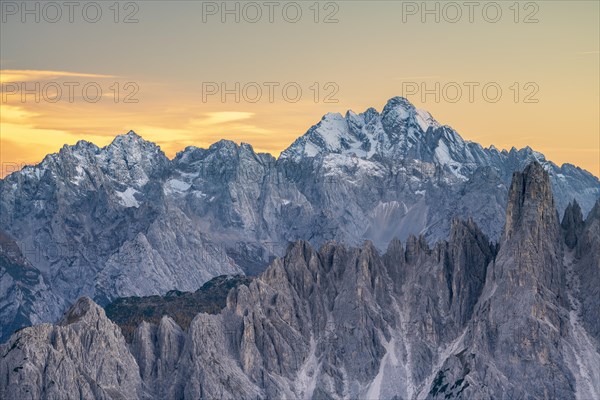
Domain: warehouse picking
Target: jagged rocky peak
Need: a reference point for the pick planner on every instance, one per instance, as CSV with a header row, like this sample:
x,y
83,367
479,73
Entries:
x,y
82,147
133,145
459,227
531,205
363,134
370,114
521,319
531,249
404,132
532,241
466,236
132,160
469,254
133,148
128,159
594,215
128,139
85,357
416,247
224,145
397,110
84,309
189,155
395,246
223,161
301,263
229,147
572,223
223,151
401,109
400,106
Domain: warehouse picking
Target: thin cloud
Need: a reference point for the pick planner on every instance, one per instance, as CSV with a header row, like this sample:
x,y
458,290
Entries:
x,y
222,117
15,114
28,75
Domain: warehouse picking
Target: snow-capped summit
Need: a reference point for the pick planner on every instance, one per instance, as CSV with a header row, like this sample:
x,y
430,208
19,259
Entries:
x,y
131,143
391,133
132,160
403,132
400,131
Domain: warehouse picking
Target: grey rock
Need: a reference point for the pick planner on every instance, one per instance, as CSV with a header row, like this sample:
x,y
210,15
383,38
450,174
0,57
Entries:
x,y
587,273
97,222
26,298
515,344
572,224
459,319
126,221
84,356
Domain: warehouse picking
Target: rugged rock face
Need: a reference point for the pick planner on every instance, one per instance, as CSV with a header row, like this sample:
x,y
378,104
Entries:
x,y
25,297
124,220
587,272
572,224
84,356
96,222
515,343
402,132
463,318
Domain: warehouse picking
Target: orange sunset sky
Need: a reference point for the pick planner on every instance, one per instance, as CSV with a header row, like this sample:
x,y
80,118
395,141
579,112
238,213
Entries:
x,y
544,58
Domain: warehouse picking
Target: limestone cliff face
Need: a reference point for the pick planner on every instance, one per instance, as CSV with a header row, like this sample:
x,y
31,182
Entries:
x,y
25,296
587,272
514,343
84,356
461,319
572,224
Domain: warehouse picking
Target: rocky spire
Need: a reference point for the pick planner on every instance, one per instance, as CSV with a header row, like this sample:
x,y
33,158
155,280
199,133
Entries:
x,y
531,210
572,223
594,215
531,246
521,312
470,252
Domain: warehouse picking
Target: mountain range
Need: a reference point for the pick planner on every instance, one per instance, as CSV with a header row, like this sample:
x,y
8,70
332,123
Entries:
x,y
124,220
464,318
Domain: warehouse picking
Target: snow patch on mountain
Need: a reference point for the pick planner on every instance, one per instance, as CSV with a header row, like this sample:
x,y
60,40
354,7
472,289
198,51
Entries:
x,y
76,180
127,198
425,120
176,186
336,165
